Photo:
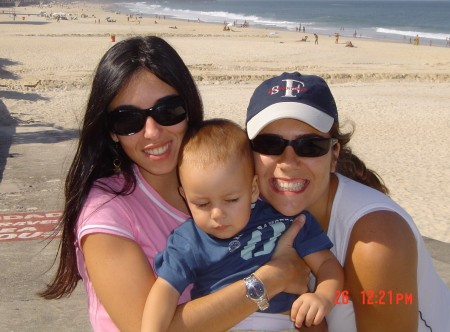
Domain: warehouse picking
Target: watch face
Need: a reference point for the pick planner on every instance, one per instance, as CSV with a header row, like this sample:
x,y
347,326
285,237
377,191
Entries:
x,y
256,290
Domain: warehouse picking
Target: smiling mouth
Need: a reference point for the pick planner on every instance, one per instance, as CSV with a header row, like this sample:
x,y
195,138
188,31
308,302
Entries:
x,y
289,186
157,151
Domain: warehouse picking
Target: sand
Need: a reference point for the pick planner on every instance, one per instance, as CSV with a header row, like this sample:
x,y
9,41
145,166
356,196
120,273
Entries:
x,y
397,95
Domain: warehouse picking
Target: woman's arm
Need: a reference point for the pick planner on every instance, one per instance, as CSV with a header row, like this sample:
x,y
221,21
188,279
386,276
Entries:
x,y
380,268
122,278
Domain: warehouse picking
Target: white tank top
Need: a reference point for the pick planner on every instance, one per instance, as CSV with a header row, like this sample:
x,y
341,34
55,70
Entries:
x,y
354,200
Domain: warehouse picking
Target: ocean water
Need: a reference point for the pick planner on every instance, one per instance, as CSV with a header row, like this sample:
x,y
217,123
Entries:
x,y
396,20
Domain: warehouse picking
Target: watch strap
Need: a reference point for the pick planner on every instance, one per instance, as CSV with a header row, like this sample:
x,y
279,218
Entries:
x,y
262,301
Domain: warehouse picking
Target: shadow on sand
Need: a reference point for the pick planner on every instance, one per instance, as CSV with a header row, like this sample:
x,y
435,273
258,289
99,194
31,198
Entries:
x,y
35,133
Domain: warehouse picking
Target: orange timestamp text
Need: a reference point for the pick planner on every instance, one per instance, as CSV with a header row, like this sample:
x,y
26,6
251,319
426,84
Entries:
x,y
379,297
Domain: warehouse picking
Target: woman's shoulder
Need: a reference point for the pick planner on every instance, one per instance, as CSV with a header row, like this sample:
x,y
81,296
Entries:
x,y
363,210
111,207
352,195
348,185
114,182
358,205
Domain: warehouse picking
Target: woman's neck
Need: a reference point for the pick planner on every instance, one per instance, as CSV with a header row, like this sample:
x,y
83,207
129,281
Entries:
x,y
322,212
167,186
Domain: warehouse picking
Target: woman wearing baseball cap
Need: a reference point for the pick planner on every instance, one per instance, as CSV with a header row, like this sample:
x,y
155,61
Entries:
x,y
303,163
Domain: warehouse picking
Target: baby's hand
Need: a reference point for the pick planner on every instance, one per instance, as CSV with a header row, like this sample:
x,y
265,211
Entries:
x,y
310,309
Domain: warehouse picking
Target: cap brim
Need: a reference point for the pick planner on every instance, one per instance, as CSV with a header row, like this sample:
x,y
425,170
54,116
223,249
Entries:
x,y
289,110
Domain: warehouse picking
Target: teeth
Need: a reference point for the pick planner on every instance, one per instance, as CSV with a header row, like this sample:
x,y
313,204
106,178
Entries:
x,y
157,151
289,186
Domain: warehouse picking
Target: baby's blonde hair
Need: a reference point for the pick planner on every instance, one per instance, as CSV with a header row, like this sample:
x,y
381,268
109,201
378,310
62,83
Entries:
x,y
216,142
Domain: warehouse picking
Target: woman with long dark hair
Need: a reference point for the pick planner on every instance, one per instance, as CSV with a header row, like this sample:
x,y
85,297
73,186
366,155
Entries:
x,y
122,198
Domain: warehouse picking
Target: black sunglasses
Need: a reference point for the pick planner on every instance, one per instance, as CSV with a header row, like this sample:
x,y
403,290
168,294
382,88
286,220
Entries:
x,y
305,146
128,120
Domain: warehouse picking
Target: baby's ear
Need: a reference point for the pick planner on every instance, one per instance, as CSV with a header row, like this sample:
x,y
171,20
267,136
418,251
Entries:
x,y
181,190
255,188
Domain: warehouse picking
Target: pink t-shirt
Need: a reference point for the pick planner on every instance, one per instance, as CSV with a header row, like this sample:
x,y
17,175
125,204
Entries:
x,y
142,216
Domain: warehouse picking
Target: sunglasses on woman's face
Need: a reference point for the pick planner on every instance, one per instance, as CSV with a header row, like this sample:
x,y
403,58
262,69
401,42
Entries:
x,y
128,120
305,146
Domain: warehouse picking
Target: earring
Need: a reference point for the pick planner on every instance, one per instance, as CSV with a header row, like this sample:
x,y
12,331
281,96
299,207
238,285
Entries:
x,y
117,162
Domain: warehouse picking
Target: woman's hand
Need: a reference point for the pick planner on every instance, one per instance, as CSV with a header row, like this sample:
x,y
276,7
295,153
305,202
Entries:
x,y
286,271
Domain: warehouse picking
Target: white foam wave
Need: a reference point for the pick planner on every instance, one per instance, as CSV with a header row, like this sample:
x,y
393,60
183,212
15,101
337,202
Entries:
x,y
206,16
439,36
139,7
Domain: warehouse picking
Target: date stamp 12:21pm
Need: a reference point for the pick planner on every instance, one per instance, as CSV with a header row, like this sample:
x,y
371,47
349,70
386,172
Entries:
x,y
371,297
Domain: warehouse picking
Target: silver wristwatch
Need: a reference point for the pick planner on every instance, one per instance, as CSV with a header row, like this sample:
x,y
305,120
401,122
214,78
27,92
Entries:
x,y
256,292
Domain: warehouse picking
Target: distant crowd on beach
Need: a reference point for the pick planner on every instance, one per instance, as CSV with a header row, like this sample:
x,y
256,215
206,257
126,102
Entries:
x,y
46,11
337,35
416,41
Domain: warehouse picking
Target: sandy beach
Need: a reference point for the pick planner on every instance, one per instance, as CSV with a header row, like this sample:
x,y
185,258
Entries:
x,y
397,94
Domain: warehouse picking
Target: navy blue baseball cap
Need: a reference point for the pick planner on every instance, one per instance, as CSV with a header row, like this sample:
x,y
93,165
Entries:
x,y
292,96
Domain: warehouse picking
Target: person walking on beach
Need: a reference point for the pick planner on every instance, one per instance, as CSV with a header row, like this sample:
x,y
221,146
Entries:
x,y
416,40
336,35
390,281
122,197
316,39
